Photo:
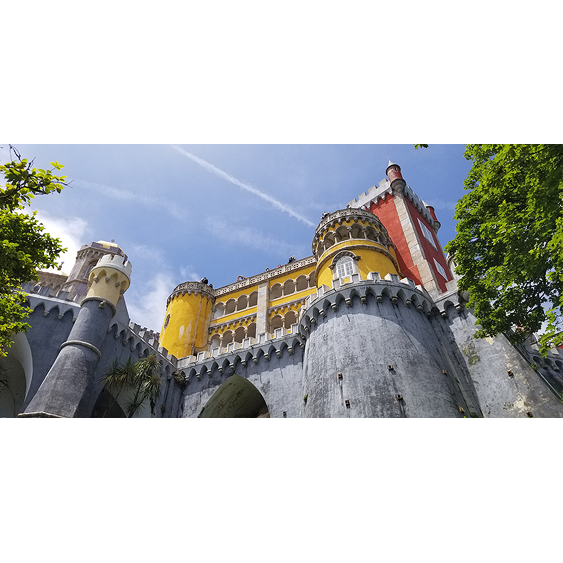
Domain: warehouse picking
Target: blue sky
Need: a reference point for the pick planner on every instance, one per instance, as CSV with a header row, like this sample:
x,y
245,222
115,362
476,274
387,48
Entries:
x,y
181,212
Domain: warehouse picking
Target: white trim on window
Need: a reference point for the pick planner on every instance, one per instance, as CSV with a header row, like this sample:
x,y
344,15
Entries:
x,y
440,269
427,234
344,267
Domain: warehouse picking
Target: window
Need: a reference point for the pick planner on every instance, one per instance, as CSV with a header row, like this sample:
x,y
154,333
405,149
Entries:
x,y
427,234
344,267
440,269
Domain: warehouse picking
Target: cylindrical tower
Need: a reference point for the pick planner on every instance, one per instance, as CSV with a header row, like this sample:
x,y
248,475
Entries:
x,y
69,389
372,347
393,172
186,323
352,242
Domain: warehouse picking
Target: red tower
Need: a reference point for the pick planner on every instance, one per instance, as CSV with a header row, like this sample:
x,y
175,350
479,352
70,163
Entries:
x,y
412,226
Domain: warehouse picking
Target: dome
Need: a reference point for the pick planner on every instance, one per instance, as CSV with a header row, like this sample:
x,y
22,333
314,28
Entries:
x,y
107,244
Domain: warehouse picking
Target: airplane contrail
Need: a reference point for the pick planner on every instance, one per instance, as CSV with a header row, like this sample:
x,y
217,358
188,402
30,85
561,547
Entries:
x,y
214,170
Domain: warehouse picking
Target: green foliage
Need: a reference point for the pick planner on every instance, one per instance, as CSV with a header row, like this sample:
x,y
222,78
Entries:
x,y
24,182
180,378
24,246
509,243
142,379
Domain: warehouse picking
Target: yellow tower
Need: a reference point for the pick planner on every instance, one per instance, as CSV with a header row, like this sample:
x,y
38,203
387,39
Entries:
x,y
186,323
352,242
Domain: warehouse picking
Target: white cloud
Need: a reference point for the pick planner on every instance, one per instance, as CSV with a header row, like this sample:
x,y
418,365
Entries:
x,y
71,230
214,170
189,274
148,303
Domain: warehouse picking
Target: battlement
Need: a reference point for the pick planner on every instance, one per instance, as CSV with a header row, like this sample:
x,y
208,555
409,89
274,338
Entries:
x,y
116,262
375,193
189,288
149,336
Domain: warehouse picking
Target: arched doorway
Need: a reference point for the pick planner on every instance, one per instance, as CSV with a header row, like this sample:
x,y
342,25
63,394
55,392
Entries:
x,y
236,398
16,371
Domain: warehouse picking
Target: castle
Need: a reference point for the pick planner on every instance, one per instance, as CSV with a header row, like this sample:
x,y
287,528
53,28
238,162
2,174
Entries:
x,y
370,325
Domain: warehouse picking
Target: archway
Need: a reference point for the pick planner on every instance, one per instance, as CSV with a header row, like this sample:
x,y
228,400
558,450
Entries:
x,y
236,398
16,371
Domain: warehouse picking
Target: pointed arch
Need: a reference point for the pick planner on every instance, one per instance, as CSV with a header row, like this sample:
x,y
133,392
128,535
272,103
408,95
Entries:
x,y
236,398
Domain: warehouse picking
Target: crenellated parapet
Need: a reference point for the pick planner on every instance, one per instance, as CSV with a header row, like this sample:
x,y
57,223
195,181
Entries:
x,y
399,292
225,365
192,287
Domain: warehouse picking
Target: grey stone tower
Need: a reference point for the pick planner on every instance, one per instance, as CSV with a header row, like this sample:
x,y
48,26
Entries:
x,y
69,388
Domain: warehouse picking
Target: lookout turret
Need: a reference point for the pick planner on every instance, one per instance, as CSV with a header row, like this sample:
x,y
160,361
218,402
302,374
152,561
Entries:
x,y
352,241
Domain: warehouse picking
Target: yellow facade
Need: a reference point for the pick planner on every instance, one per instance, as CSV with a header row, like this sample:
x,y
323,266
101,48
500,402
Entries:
x,y
186,324
195,319
293,275
374,258
234,316
292,297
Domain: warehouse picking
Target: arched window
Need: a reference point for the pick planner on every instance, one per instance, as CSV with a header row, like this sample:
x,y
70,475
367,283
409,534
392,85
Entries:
x,y
344,267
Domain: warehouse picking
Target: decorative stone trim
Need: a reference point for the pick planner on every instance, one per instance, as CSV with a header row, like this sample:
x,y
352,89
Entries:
x,y
241,321
38,414
287,306
81,343
103,303
254,280
350,214
341,254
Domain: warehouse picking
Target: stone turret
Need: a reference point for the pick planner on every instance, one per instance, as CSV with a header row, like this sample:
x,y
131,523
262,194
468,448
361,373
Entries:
x,y
86,258
69,388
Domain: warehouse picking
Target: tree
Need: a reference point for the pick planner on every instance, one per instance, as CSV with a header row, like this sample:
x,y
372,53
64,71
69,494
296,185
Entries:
x,y
141,379
24,246
509,243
